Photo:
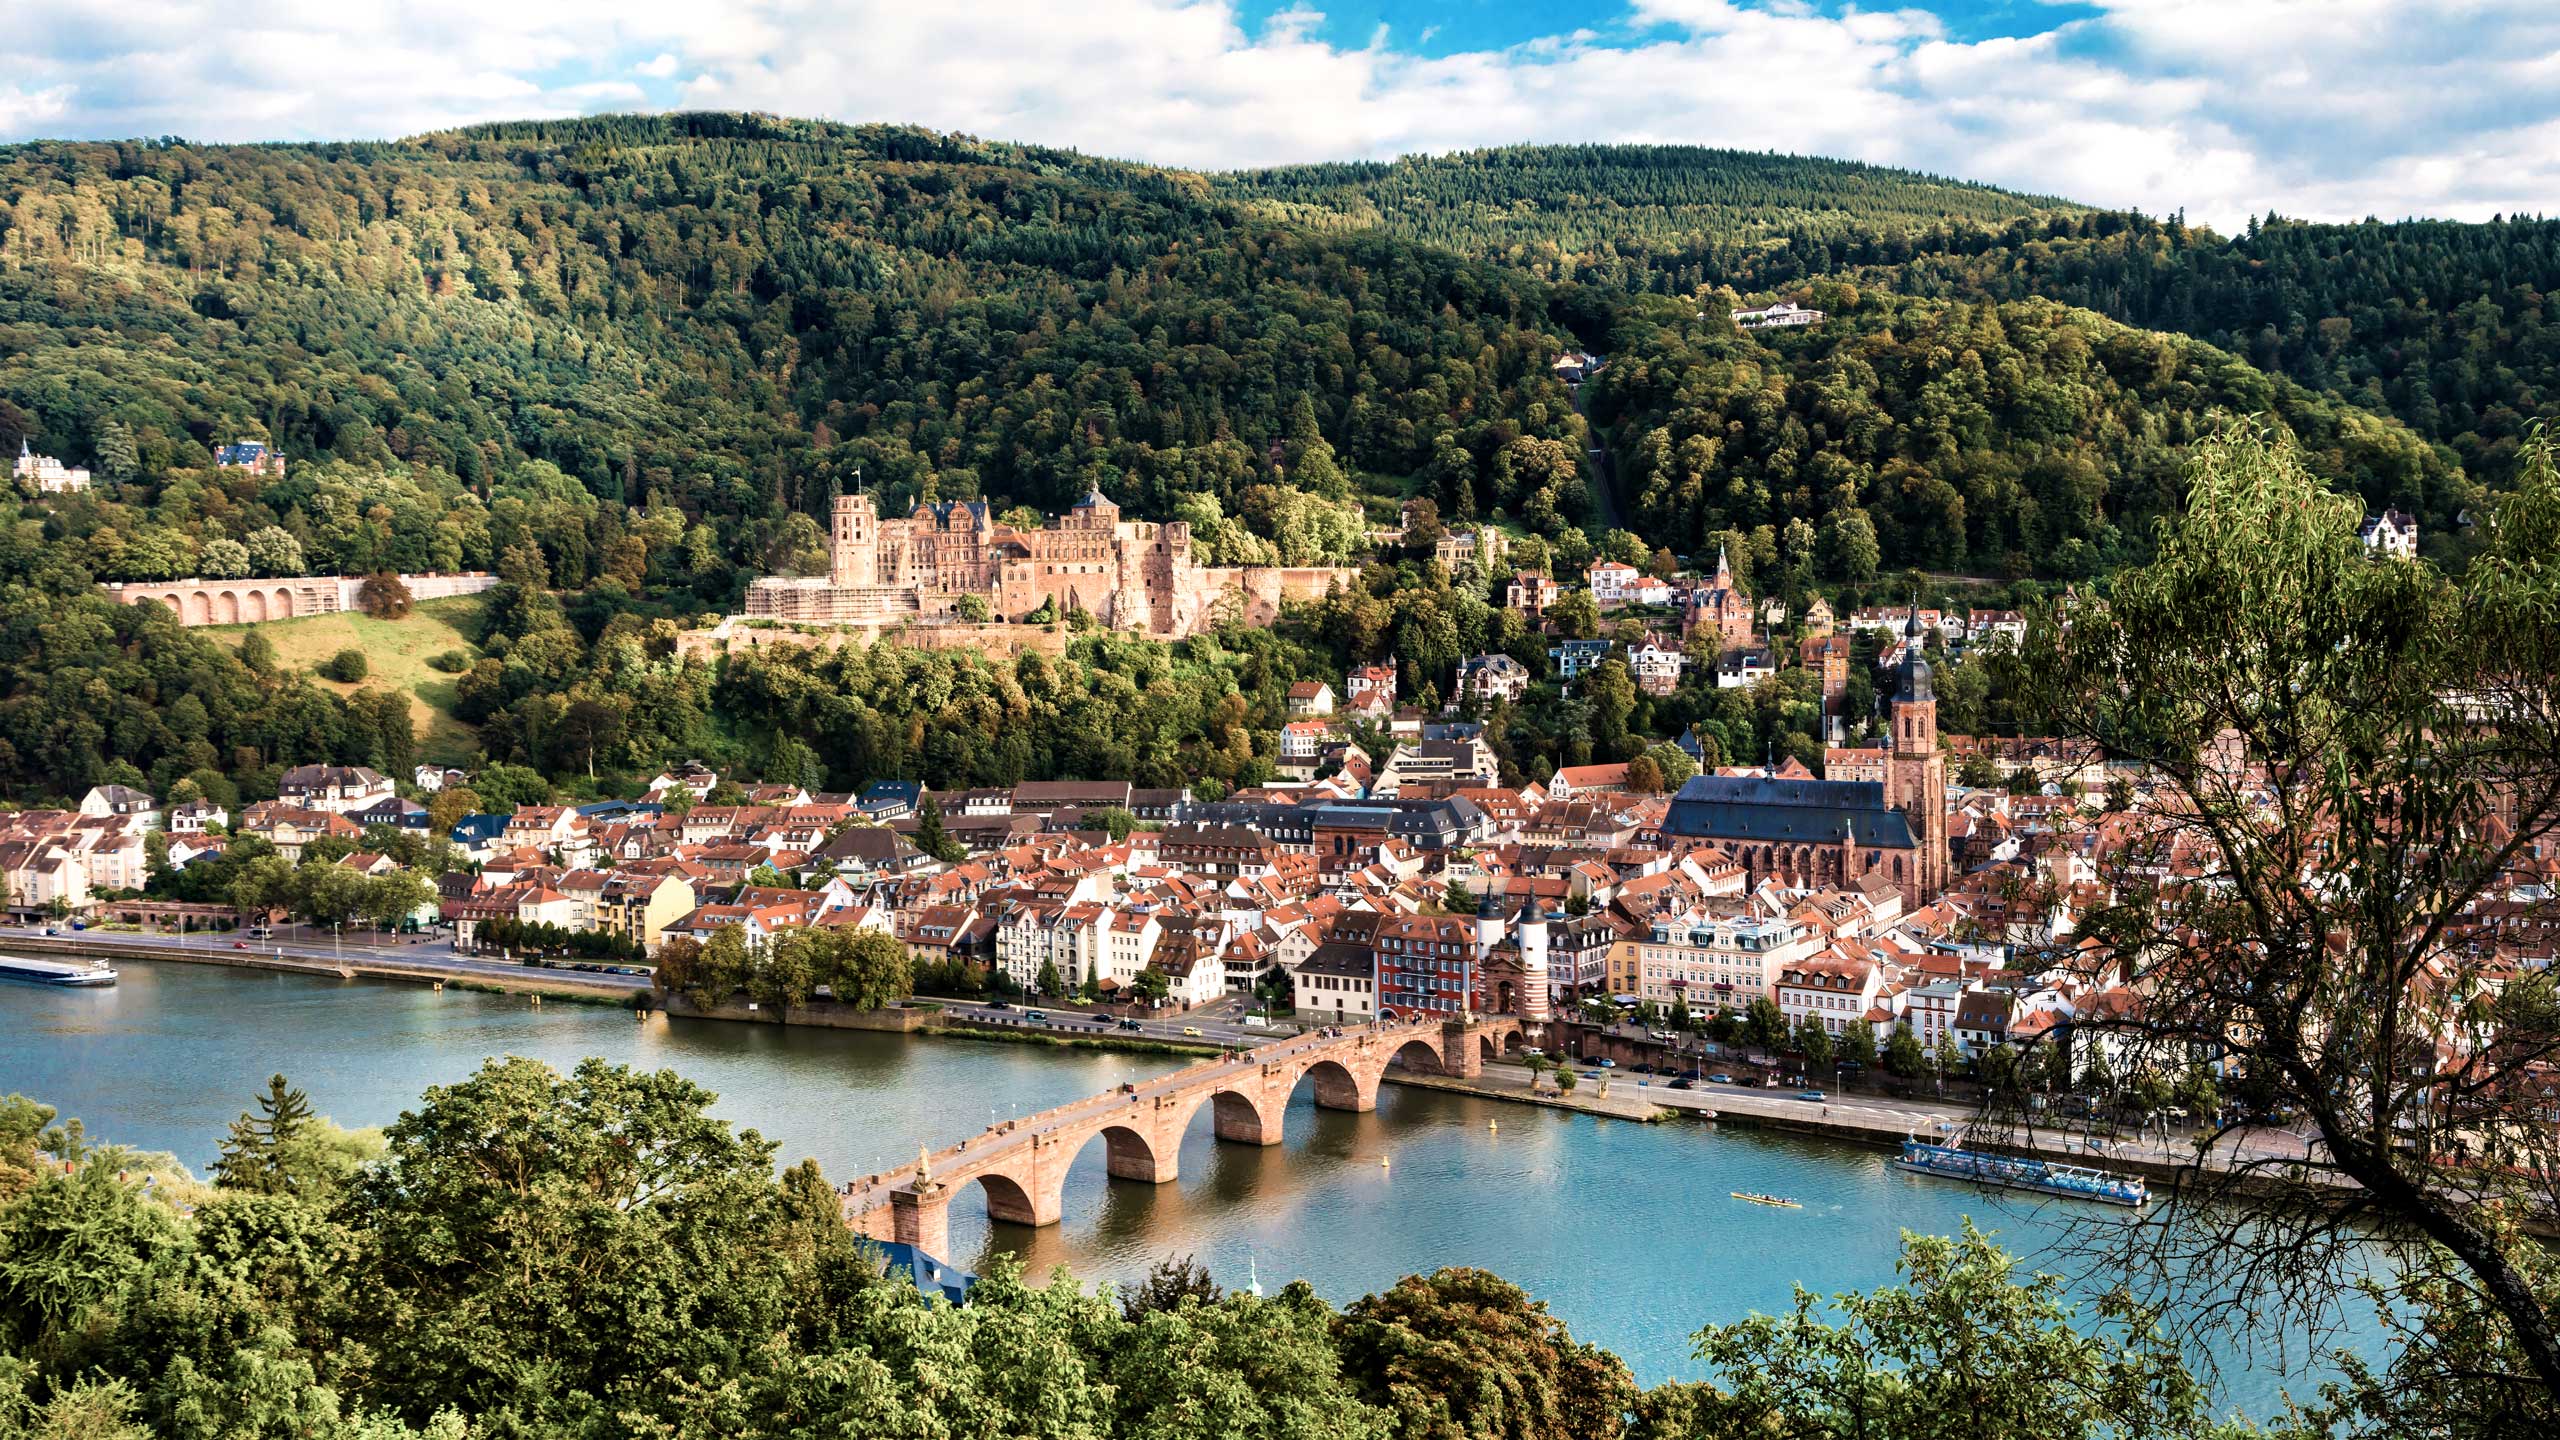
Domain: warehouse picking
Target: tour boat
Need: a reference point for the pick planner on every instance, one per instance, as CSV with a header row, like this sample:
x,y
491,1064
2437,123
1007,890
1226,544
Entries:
x,y
2075,1182
56,972
1781,1201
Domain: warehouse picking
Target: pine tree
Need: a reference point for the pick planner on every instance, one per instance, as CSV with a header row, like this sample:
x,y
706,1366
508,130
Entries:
x,y
118,459
929,837
254,1154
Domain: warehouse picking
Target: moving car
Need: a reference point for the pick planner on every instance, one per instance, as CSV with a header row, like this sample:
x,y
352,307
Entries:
x,y
1035,1014
1721,1078
1811,1095
1128,1024
1191,1030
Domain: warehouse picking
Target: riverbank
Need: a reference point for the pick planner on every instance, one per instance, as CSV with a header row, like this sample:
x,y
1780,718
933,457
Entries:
x,y
563,984
1509,1083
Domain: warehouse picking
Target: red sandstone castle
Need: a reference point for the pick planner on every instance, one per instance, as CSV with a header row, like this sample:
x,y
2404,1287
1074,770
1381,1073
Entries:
x,y
1129,574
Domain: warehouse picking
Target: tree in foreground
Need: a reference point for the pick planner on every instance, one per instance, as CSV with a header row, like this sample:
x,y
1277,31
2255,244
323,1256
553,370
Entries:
x,y
1960,1350
2362,761
281,1148
1464,1352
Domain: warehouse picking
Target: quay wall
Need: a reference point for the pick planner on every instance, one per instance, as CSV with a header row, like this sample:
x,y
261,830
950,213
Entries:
x,y
569,983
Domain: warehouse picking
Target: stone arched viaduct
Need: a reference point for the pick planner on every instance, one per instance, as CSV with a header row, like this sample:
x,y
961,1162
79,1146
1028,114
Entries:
x,y
1022,1165
249,602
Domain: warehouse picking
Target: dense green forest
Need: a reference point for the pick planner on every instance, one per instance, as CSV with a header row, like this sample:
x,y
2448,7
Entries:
x,y
625,362
1595,213
2011,439
735,314
527,1255
2451,328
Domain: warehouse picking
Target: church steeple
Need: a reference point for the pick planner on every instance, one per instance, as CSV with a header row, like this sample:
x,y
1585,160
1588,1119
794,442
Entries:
x,y
1916,775
1914,673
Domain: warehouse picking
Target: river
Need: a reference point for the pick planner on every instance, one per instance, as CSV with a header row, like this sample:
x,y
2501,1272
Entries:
x,y
1627,1231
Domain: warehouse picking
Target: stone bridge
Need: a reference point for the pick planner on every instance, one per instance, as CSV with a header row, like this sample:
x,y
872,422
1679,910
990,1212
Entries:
x,y
1022,1163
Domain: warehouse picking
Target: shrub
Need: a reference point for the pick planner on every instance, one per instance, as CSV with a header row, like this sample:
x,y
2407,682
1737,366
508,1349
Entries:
x,y
384,597
346,667
451,662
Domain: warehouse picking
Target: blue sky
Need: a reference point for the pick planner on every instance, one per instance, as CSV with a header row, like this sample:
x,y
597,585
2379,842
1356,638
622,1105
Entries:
x,y
2222,108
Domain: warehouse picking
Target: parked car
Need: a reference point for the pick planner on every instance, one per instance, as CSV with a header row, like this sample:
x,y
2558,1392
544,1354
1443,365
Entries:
x,y
1608,1064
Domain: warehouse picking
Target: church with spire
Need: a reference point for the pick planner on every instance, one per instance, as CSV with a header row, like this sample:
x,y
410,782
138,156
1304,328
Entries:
x,y
1718,607
1838,834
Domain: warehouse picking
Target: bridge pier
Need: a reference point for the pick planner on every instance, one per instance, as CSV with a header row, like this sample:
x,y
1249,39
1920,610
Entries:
x,y
1458,1053
923,1218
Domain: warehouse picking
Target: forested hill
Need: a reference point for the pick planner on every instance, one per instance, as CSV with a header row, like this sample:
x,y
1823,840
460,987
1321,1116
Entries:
x,y
624,362
2014,438
2452,328
1598,212
734,313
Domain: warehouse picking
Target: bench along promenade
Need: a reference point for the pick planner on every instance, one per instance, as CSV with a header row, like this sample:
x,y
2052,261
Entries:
x,y
1021,1164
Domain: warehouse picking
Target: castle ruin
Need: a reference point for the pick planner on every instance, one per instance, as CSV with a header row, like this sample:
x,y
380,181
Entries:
x,y
1129,574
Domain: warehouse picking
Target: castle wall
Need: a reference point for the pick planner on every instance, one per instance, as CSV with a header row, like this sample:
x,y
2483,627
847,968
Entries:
x,y
1131,575
1001,641
290,597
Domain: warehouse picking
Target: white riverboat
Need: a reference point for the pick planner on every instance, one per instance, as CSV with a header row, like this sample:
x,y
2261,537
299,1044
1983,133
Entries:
x,y
2076,1182
88,973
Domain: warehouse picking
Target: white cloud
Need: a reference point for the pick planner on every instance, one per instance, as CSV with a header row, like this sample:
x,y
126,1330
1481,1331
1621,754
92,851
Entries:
x,y
2222,107
24,111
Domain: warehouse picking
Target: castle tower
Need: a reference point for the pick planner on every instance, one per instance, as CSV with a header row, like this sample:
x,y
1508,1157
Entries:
x,y
853,550
1916,776
1535,1003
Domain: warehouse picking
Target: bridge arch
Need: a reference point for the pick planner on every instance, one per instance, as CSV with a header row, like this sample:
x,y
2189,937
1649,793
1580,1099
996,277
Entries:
x,y
1007,1200
255,608
1339,1087
226,608
1420,1056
